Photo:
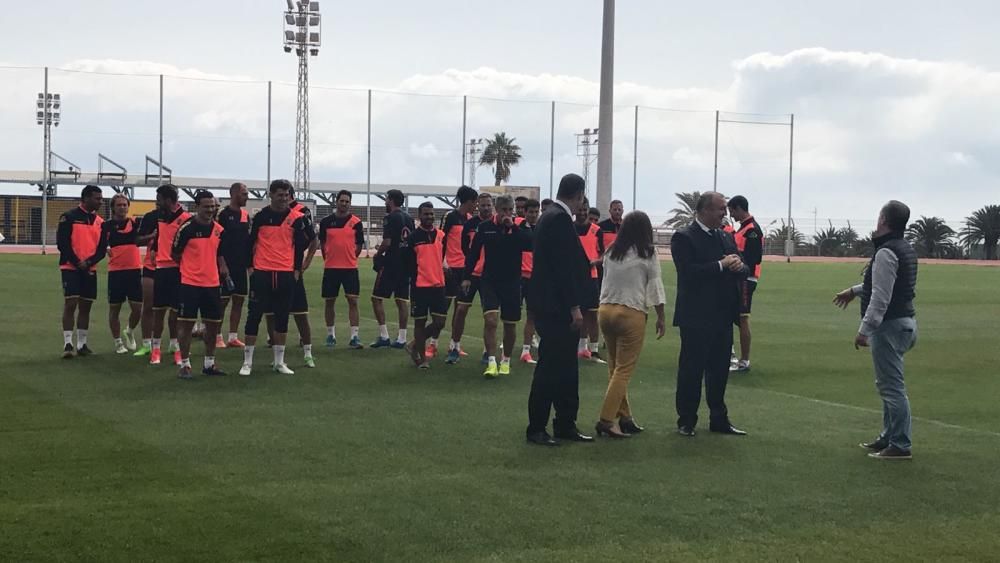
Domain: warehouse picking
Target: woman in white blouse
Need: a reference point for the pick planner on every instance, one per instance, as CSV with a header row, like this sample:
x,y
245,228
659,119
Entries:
x,y
632,284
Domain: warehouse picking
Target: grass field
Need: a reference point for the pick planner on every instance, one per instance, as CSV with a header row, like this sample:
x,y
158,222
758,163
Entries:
x,y
108,459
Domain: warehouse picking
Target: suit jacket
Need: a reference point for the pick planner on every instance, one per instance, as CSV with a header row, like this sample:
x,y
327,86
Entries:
x,y
706,296
561,271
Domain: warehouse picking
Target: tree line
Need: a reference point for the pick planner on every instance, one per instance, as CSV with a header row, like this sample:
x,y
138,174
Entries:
x,y
932,237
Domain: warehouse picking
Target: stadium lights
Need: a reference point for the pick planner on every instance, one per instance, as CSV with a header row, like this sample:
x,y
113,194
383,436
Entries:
x,y
302,32
586,149
48,109
472,158
302,28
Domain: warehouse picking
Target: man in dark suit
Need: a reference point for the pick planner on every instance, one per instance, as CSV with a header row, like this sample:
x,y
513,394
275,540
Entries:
x,y
709,271
561,271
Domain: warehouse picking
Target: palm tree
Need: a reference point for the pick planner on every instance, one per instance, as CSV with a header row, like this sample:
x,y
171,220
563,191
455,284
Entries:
x,y
683,215
983,226
849,235
501,153
776,238
828,240
837,242
931,237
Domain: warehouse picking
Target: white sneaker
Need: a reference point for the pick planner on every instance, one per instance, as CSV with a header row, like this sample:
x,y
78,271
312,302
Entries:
x,y
283,369
740,366
535,341
246,369
129,339
121,349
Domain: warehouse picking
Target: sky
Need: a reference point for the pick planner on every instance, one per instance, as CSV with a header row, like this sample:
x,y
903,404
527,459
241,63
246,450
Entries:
x,y
891,99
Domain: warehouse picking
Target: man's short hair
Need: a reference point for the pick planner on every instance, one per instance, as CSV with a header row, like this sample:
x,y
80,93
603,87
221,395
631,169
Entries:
x,y
465,194
504,201
896,215
614,201
520,199
280,185
345,192
236,187
595,211
547,202
705,199
424,205
168,191
485,195
532,204
395,196
200,195
88,190
739,202
571,186
118,196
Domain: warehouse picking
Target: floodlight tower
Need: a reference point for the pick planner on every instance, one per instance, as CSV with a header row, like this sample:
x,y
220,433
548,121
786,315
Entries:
x,y
472,158
47,113
587,149
302,33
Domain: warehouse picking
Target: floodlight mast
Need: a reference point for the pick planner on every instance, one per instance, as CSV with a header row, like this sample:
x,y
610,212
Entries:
x,y
48,110
302,28
472,158
587,149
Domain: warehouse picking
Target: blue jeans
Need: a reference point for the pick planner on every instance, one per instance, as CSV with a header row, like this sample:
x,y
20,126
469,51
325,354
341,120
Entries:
x,y
889,343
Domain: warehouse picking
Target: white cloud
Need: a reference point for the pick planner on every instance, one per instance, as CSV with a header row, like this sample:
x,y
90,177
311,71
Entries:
x,y
868,126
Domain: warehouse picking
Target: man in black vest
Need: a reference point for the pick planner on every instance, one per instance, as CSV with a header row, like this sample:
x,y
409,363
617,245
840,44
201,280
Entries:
x,y
888,325
709,271
555,295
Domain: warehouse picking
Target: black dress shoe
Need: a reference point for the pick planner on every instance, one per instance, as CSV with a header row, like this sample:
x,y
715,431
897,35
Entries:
x,y
875,445
686,431
727,429
628,426
573,435
541,439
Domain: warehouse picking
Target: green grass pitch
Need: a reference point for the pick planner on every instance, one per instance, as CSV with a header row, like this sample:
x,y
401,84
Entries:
x,y
365,458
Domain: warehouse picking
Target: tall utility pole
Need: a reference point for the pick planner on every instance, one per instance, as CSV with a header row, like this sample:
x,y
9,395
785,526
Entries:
x,y
47,113
302,33
587,148
606,116
474,148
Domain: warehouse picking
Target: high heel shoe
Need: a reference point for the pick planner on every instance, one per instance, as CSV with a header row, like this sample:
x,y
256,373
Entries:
x,y
628,425
608,429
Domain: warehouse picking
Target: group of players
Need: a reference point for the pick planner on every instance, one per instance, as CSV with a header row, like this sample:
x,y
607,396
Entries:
x,y
199,263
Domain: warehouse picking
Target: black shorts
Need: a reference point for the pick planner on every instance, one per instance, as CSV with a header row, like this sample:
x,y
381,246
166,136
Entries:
x,y
335,278
747,287
166,288
428,300
504,296
79,284
300,304
389,283
124,285
148,273
270,293
241,283
591,295
525,282
453,282
204,300
466,297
